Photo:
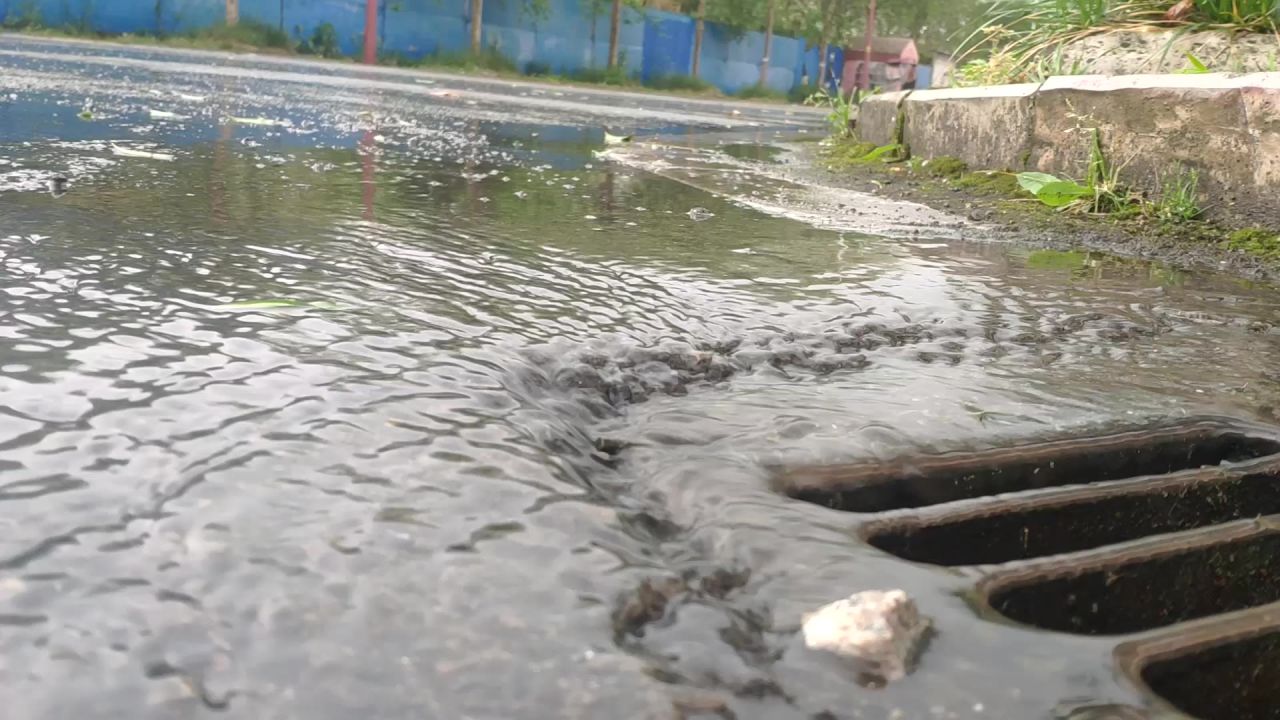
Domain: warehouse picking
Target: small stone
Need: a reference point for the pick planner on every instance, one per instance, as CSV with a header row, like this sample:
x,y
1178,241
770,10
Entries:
x,y
882,630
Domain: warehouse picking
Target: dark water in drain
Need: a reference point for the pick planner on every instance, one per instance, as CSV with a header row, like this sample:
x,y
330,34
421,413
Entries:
x,y
303,422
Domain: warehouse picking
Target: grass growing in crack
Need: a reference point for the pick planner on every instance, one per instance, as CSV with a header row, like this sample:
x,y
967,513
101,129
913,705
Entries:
x,y
1102,192
1179,200
840,115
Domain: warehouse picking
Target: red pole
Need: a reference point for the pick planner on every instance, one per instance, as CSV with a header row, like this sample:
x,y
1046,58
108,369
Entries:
x,y
370,32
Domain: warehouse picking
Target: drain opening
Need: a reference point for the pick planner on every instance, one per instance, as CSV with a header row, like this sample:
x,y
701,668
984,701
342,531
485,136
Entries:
x,y
1235,681
1081,523
869,488
1148,591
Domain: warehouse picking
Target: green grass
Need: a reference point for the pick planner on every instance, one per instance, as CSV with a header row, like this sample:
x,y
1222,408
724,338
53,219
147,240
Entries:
x,y
802,93
760,92
1023,39
1179,199
246,33
603,76
487,60
680,83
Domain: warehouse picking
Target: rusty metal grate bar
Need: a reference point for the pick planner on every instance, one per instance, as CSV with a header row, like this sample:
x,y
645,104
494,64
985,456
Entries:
x,y
921,482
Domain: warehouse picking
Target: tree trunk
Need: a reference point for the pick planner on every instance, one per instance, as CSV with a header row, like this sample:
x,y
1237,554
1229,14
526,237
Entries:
x,y
233,12
477,25
864,73
823,49
698,28
768,46
615,23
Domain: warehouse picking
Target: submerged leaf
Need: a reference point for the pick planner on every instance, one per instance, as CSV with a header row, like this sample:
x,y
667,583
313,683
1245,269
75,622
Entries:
x,y
257,121
130,152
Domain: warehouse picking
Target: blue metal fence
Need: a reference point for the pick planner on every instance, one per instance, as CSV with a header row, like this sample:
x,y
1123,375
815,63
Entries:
x,y
569,37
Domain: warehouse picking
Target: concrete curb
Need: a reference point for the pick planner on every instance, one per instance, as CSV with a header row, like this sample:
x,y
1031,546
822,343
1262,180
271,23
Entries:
x,y
1226,127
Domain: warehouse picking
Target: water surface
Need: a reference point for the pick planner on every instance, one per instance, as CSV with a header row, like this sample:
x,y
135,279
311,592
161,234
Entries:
x,y
307,421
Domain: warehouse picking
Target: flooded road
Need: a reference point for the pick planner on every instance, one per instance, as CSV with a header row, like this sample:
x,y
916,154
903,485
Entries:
x,y
329,395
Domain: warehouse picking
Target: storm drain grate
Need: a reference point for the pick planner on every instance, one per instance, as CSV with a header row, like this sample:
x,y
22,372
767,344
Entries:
x,y
1238,679
1126,532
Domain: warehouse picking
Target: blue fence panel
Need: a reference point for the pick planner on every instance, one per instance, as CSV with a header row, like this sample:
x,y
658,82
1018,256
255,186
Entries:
x,y
835,68
785,55
630,42
668,44
302,17
924,76
185,15
518,45
567,38
416,28
731,58
559,53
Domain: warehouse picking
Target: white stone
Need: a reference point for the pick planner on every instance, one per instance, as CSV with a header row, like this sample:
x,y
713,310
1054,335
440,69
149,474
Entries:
x,y
882,629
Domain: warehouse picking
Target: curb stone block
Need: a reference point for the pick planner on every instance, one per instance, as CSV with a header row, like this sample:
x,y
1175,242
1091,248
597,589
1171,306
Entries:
x,y
1225,127
988,128
1149,127
878,117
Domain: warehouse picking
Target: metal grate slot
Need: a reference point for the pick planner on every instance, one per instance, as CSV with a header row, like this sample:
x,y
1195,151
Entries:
x,y
1233,681
871,488
1174,526
1140,590
1082,520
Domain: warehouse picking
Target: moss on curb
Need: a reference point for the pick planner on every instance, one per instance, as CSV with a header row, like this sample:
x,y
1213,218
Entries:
x,y
996,184
847,153
995,197
946,167
1258,242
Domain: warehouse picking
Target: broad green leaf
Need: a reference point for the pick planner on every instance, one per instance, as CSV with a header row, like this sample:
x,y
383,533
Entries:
x,y
881,152
1062,193
1033,181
